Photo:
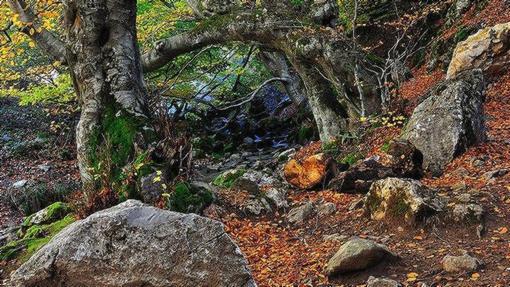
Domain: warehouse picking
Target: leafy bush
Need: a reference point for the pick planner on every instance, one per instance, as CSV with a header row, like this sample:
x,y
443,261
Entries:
x,y
60,91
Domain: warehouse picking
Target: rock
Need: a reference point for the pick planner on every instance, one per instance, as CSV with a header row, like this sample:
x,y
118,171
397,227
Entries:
x,y
248,141
133,244
152,187
6,137
468,213
286,154
357,204
257,206
495,173
252,180
360,177
464,263
51,213
277,197
20,184
358,254
325,209
401,200
448,121
308,173
44,167
301,213
488,49
335,237
382,282
405,159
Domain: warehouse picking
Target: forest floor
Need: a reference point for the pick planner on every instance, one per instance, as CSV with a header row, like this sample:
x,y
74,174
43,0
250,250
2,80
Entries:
x,y
281,254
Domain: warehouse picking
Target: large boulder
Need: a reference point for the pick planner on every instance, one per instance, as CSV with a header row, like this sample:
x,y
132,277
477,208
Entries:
x,y
133,244
448,121
401,200
488,49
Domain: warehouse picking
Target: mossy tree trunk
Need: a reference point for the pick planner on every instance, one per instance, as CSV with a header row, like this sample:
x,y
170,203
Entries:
x,y
104,63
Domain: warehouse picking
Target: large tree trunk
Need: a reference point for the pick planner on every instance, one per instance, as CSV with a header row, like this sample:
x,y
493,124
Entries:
x,y
104,63
278,65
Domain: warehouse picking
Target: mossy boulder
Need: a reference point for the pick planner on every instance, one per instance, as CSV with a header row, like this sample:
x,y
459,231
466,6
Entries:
x,y
51,213
401,201
33,239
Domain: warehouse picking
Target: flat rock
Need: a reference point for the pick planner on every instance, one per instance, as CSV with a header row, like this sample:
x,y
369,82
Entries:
x,y
301,213
358,254
464,263
133,244
382,282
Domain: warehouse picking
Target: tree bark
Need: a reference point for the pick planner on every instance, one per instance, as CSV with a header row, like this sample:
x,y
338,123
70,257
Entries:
x,y
279,67
104,63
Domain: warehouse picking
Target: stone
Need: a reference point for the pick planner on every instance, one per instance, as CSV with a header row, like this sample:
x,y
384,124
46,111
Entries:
x,y
278,197
405,159
495,173
325,209
448,121
360,177
51,213
133,244
308,173
464,263
286,154
252,180
257,206
20,183
152,187
358,254
44,167
401,200
335,237
382,282
488,50
301,213
468,213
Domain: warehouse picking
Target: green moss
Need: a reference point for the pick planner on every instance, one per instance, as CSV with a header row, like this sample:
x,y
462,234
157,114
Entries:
x,y
227,179
35,237
385,147
54,211
188,199
352,158
34,232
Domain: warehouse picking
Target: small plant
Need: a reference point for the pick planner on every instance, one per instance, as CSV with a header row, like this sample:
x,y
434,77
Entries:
x,y
227,179
352,158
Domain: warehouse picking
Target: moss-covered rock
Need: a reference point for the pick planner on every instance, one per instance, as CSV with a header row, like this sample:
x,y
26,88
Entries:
x,y
227,179
49,214
401,200
33,239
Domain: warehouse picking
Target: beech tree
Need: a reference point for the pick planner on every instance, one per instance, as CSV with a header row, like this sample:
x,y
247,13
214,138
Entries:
x,y
100,47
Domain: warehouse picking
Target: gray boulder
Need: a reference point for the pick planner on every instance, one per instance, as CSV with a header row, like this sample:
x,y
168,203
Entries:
x,y
358,254
133,244
448,121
